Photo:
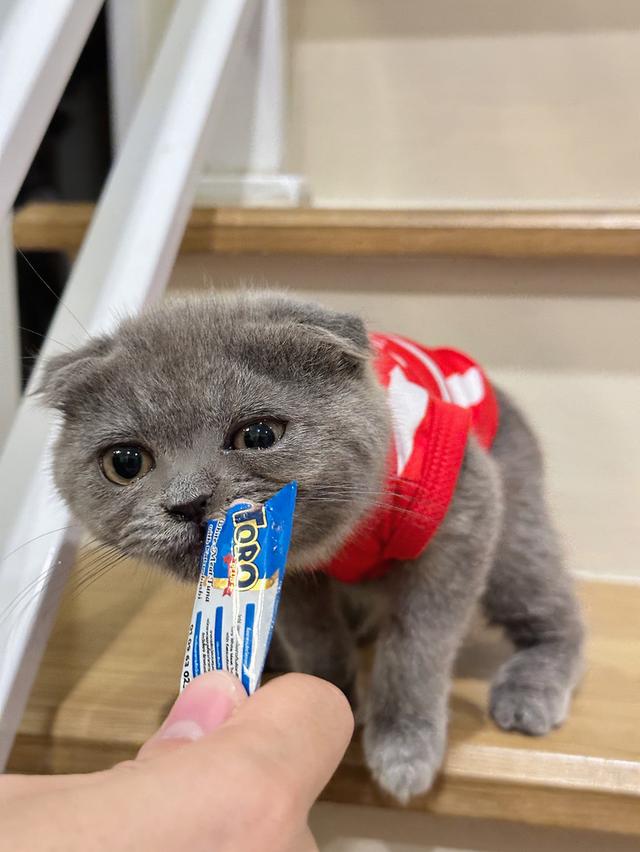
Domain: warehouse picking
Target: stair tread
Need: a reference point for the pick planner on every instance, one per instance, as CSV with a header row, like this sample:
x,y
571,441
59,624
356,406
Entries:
x,y
61,226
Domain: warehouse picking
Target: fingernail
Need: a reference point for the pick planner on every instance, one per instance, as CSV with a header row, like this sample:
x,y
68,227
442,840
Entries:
x,y
203,706
183,729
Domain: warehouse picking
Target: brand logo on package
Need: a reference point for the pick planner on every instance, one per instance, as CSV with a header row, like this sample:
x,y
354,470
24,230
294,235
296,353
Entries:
x,y
243,572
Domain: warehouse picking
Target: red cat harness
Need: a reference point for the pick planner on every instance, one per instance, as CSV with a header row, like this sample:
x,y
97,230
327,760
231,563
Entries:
x,y
436,397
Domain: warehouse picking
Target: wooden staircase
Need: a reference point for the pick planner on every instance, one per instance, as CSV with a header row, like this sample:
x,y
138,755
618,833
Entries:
x,y
111,671
112,665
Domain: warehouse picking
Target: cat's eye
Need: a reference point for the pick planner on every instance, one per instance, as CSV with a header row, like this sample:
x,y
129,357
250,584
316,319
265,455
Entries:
x,y
125,463
259,435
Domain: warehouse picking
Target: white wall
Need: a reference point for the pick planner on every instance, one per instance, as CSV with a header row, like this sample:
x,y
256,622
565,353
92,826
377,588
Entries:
x,y
416,103
433,103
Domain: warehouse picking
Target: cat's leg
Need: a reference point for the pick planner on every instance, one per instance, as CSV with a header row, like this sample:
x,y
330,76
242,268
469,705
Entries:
x,y
313,631
279,660
530,593
429,603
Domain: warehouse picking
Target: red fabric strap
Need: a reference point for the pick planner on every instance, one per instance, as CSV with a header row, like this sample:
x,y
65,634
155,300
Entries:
x,y
436,396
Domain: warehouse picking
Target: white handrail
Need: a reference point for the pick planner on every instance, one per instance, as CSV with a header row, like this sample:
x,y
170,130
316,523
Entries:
x,y
40,41
126,259
9,338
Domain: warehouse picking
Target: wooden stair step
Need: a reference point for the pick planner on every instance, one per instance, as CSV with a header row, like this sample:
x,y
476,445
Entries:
x,y
319,231
111,671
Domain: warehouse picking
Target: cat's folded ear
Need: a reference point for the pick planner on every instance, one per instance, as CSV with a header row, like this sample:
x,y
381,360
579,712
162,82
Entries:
x,y
339,352
339,339
348,329
309,349
66,379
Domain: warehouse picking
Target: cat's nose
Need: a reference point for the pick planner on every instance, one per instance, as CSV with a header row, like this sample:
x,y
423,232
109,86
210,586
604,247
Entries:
x,y
194,510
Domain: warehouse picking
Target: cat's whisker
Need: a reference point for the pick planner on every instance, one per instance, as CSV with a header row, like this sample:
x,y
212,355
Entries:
x,y
376,504
21,600
349,490
143,572
89,577
24,594
51,290
36,538
345,491
44,337
97,573
86,571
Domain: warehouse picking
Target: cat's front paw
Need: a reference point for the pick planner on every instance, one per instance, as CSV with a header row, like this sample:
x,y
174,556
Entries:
x,y
404,754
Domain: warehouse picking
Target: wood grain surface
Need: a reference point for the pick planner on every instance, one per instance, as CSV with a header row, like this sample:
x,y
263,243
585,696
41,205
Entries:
x,y
111,671
318,231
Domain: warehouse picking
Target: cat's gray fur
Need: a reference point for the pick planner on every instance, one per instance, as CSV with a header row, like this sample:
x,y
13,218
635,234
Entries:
x,y
178,378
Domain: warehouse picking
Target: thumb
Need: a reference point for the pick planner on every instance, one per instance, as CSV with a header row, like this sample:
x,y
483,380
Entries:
x,y
205,704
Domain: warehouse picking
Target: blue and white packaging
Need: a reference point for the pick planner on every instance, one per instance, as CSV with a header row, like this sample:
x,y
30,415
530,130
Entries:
x,y
241,571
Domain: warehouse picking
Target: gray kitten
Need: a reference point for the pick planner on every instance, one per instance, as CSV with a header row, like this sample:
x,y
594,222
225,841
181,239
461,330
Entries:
x,y
203,400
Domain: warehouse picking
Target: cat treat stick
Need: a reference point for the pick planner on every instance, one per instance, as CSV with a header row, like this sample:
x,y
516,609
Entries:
x,y
241,572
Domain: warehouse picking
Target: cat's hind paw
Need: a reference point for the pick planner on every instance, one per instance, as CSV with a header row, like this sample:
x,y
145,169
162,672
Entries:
x,y
530,708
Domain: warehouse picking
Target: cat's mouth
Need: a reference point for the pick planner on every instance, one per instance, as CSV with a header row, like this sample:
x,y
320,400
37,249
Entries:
x,y
182,552
197,538
188,544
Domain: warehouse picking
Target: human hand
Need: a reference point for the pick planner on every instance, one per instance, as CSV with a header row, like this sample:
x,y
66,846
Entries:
x,y
225,773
